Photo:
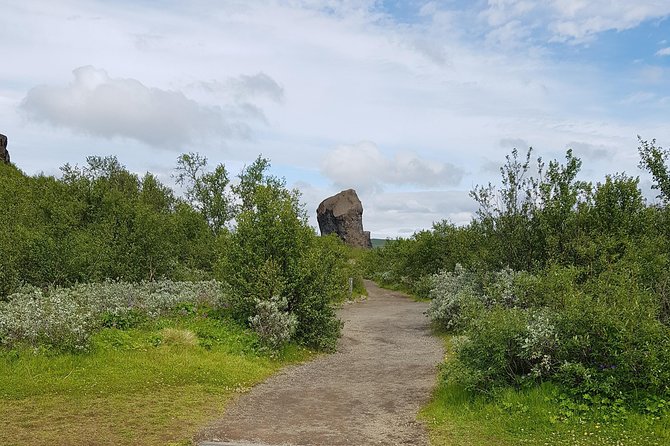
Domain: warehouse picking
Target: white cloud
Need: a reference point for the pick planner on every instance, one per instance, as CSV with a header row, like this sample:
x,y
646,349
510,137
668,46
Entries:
x,y
244,87
365,167
388,214
573,21
514,143
589,151
96,104
651,74
638,97
455,86
500,12
490,167
578,20
663,52
509,34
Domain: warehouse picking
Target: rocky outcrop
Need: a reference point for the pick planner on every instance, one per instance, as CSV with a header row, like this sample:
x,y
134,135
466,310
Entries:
x,y
342,214
4,154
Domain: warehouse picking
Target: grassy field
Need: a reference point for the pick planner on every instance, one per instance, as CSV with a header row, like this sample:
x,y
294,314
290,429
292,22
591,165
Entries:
x,y
535,416
152,385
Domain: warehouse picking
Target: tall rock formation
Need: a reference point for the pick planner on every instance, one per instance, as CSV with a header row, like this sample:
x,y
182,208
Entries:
x,y
343,214
4,154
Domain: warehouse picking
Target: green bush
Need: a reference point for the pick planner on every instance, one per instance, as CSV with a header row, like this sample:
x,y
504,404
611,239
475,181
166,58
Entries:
x,y
272,322
601,337
96,222
409,263
100,222
273,252
490,351
562,280
611,330
455,297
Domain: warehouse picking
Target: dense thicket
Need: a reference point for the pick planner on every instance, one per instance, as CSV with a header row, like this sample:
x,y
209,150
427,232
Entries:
x,y
96,222
555,279
101,222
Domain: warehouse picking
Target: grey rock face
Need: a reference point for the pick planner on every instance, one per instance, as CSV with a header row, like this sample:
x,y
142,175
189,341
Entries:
x,y
4,154
342,214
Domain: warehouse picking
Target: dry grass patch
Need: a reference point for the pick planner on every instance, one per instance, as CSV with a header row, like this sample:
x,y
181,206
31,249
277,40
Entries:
x,y
176,336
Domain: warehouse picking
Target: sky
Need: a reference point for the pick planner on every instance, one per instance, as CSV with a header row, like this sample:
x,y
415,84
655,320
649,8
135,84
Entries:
x,y
412,103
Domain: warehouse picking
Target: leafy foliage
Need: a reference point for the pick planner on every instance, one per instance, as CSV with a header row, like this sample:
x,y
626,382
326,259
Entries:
x,y
96,222
274,254
274,325
561,280
655,159
451,295
101,223
206,191
65,318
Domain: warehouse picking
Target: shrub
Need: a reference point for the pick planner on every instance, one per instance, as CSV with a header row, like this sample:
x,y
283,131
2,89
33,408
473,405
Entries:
x,y
274,252
567,280
611,332
501,289
322,279
122,319
503,346
491,350
539,343
601,336
65,318
272,322
422,286
55,320
96,222
454,295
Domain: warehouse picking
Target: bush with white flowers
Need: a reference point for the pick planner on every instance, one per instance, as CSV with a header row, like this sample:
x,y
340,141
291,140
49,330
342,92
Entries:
x,y
539,343
451,292
272,322
501,290
65,318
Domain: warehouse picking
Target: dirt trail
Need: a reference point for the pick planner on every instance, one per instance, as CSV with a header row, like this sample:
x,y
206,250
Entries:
x,y
368,393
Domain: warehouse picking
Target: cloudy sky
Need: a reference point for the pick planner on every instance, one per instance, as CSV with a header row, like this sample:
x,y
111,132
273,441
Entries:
x,y
411,103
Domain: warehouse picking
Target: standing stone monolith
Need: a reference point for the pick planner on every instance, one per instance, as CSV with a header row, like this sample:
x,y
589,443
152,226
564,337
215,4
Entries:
x,y
342,214
4,154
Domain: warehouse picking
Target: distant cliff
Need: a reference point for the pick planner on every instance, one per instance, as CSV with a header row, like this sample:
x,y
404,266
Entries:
x,y
4,154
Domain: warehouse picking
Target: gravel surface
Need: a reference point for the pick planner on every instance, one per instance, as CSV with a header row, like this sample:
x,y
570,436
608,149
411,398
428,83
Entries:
x,y
368,393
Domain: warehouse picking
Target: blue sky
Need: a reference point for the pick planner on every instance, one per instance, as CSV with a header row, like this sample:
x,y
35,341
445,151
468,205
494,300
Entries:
x,y
411,103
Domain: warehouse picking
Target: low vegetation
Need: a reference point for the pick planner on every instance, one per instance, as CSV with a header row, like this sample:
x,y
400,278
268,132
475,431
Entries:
x,y
103,224
154,382
129,315
64,319
539,415
555,299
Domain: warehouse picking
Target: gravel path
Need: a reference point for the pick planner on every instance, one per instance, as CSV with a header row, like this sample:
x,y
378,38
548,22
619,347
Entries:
x,y
368,393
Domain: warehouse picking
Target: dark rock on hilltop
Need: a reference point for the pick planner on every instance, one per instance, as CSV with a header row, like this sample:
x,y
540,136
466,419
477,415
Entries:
x,y
4,154
342,214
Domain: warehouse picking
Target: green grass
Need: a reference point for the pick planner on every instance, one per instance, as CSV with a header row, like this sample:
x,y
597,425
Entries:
x,y
533,416
134,386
